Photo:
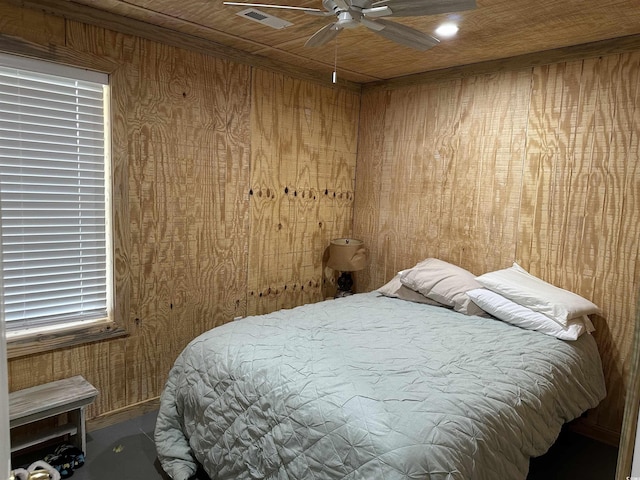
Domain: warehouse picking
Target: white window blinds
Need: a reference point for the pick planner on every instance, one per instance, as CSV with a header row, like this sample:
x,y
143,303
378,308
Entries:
x,y
52,193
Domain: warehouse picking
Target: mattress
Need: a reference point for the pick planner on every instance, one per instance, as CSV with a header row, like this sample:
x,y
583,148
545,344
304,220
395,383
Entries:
x,y
370,387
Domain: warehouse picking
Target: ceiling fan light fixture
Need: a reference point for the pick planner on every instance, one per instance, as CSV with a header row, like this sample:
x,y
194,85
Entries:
x,y
352,13
447,30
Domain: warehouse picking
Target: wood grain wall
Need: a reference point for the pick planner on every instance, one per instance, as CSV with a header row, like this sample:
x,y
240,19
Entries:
x,y
303,162
204,231
538,166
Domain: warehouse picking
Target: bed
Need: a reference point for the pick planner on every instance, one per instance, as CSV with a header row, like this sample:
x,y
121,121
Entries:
x,y
371,387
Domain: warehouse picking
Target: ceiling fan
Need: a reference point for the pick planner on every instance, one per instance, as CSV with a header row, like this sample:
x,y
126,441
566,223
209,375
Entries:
x,y
353,13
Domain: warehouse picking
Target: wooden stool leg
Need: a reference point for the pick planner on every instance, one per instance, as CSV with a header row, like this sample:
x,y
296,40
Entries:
x,y
78,418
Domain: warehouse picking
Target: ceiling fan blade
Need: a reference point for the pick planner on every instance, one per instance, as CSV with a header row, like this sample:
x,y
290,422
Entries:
x,y
413,8
319,13
375,26
282,7
375,12
323,36
402,34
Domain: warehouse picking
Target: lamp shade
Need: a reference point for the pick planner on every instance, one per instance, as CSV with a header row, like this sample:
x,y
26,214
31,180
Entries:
x,y
347,255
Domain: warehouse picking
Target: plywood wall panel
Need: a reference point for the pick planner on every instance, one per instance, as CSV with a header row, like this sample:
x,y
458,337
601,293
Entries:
x,y
577,201
117,384
537,166
368,185
445,197
25,372
31,25
477,187
91,361
302,184
408,178
546,187
616,258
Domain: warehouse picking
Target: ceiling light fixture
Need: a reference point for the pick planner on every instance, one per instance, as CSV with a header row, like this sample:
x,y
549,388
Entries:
x,y
447,30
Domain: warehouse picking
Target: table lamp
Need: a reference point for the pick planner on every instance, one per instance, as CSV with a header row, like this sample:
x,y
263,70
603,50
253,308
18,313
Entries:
x,y
347,255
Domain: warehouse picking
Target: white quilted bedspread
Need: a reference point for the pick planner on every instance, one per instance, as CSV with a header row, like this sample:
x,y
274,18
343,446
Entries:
x,y
368,387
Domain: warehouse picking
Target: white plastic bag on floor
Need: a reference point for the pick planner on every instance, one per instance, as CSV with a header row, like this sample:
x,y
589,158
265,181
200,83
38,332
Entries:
x,y
37,471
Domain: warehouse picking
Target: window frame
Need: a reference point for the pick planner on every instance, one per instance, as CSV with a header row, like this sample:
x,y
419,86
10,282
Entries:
x,y
30,340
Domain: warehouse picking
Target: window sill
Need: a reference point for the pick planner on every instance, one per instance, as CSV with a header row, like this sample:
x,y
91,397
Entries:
x,y
21,343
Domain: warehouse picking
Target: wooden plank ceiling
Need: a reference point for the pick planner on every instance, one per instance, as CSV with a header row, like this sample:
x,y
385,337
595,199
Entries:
x,y
496,29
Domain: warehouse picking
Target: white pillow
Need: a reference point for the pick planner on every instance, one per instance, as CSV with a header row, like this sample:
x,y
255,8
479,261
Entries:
x,y
395,289
523,317
520,286
444,283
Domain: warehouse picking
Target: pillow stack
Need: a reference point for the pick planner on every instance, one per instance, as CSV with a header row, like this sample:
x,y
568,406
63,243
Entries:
x,y
517,297
512,295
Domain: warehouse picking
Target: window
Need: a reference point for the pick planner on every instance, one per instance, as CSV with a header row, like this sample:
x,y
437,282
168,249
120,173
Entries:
x,y
53,194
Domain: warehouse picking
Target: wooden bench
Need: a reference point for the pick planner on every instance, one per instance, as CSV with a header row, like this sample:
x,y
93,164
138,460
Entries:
x,y
70,396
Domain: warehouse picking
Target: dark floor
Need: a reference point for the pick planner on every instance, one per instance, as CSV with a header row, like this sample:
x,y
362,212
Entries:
x,y
126,451
574,457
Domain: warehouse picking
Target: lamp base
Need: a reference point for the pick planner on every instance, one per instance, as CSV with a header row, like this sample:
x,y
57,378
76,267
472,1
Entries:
x,y
343,293
345,284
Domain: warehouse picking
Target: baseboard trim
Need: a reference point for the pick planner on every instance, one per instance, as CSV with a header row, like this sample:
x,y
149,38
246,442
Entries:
x,y
122,414
595,432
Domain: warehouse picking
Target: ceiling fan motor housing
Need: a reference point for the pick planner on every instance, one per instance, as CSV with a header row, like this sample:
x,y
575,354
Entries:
x,y
331,6
349,19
